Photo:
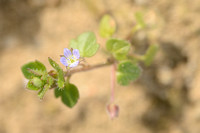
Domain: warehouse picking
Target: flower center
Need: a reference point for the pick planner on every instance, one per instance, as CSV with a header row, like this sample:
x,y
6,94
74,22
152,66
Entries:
x,y
71,59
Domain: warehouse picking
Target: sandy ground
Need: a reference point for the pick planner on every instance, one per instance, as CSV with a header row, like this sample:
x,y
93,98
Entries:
x,y
41,29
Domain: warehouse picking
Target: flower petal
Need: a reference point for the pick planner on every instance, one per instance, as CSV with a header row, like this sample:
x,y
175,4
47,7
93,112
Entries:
x,y
74,64
63,60
67,52
76,53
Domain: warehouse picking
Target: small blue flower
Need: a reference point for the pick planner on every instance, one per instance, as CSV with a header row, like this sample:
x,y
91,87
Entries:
x,y
70,59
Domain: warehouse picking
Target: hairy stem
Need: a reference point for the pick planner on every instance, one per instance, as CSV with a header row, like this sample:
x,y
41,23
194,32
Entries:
x,y
110,61
87,68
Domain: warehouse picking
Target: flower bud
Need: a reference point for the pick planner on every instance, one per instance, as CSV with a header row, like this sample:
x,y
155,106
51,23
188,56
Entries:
x,y
37,82
113,110
53,73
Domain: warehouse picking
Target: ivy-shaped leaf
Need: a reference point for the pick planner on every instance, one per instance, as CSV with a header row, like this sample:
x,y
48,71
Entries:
x,y
107,26
139,16
69,95
119,48
86,44
61,80
33,69
57,92
150,54
127,72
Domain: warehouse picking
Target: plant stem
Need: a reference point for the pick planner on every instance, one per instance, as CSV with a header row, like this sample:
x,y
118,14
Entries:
x,y
137,57
87,68
113,71
110,61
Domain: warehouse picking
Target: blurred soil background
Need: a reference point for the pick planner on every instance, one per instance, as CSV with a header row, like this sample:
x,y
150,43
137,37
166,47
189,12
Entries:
x,y
166,99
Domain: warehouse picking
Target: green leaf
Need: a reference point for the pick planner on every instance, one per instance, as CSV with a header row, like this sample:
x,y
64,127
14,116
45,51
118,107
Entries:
x,y
43,91
33,69
57,92
61,80
150,54
119,48
107,26
50,80
139,16
127,72
54,64
86,44
70,95
30,86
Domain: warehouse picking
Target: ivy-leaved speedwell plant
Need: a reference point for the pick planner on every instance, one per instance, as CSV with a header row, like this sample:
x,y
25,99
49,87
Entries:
x,y
124,64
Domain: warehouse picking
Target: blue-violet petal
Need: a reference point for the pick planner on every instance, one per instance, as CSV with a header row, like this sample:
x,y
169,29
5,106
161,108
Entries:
x,y
67,52
76,53
63,60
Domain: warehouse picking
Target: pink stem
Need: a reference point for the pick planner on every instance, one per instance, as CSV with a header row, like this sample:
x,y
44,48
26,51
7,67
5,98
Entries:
x,y
113,71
